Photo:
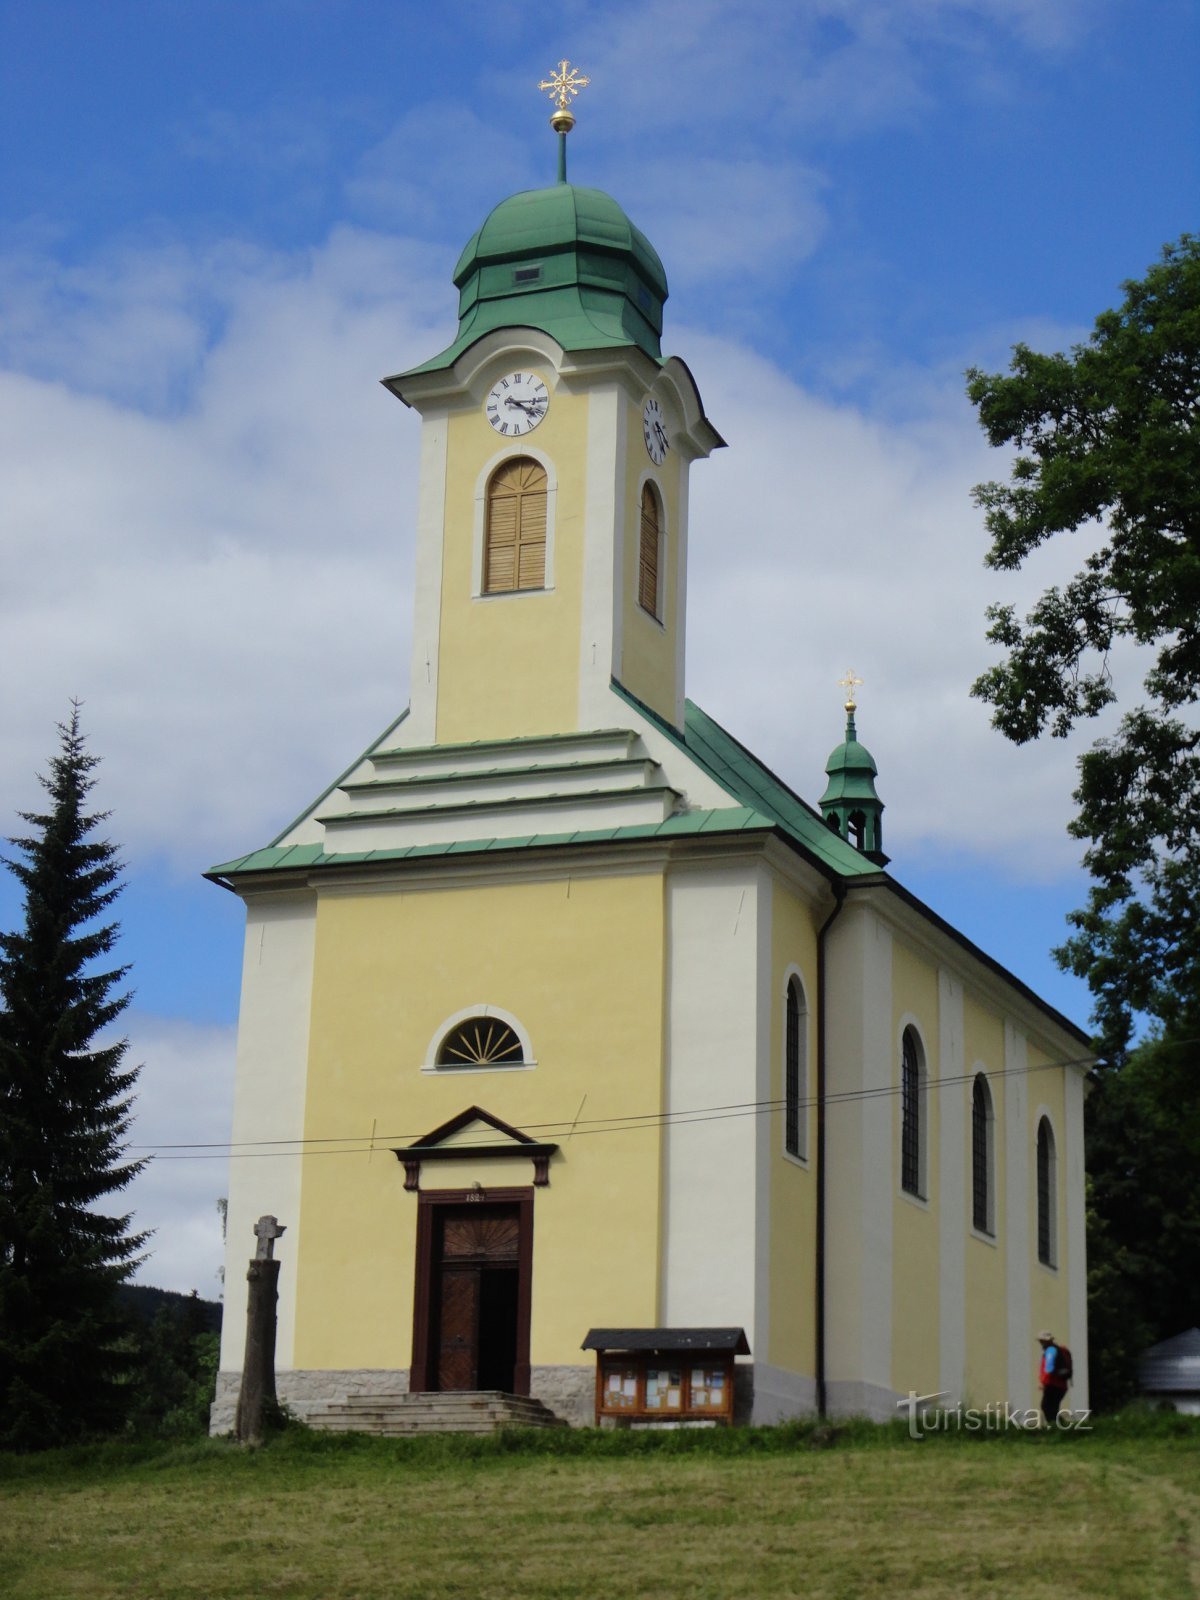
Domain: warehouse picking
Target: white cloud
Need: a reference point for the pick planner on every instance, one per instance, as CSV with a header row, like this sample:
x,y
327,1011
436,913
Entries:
x,y
863,549
227,585
184,1096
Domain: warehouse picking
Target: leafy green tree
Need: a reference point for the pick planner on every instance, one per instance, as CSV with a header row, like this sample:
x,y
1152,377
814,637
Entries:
x,y
1143,1137
65,1103
1108,439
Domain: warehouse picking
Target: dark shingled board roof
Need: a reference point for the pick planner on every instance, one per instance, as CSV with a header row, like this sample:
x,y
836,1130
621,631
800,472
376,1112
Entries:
x,y
727,1339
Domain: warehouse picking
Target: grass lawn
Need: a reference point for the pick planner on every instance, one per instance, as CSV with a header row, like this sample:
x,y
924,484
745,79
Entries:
x,y
760,1513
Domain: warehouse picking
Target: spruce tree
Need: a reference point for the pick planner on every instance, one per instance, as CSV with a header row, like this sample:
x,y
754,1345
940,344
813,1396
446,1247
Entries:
x,y
65,1102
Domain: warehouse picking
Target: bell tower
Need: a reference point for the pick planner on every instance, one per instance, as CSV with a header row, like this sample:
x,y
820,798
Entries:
x,y
556,443
850,804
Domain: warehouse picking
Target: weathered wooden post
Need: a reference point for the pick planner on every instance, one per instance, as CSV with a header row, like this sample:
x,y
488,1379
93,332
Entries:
x,y
258,1368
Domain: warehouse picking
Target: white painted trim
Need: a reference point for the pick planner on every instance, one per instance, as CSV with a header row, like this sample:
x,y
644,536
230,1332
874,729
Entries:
x,y
765,1000
603,530
1019,1278
421,723
877,1214
498,1066
1072,1167
270,1095
952,1253
481,1010
511,452
712,1055
681,559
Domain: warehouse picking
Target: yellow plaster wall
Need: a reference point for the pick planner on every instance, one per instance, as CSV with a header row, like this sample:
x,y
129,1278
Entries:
x,y
915,1226
792,1340
509,664
1048,1300
580,963
648,656
986,1376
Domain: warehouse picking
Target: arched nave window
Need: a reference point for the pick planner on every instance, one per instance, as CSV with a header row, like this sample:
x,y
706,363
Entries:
x,y
1047,1198
912,1114
515,529
983,1177
795,1071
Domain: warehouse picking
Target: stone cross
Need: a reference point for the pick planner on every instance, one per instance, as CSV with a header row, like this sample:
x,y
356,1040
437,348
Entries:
x,y
266,1231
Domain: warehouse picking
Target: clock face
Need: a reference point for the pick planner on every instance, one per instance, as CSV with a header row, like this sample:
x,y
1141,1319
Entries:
x,y
516,404
654,431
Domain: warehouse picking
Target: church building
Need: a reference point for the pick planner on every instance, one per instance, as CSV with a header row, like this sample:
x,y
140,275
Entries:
x,y
581,1057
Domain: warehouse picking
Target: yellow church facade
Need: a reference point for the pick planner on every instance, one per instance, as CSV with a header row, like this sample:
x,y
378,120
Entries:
x,y
562,1013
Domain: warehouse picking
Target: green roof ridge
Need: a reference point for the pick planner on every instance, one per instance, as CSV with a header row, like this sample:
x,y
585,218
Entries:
x,y
468,776
517,803
729,819
590,736
735,768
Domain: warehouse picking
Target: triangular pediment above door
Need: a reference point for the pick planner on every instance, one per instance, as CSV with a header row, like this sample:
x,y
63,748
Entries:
x,y
476,1135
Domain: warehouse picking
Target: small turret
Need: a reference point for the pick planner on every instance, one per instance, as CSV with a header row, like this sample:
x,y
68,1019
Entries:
x,y
850,804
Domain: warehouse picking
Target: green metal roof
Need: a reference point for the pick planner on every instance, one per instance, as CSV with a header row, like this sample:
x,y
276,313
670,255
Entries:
x,y
566,260
757,787
852,770
766,803
275,858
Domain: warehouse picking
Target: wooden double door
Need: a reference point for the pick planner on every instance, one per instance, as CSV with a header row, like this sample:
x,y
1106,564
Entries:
x,y
471,1323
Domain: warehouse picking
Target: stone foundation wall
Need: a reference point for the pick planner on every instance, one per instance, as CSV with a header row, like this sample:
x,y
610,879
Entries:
x,y
570,1392
299,1389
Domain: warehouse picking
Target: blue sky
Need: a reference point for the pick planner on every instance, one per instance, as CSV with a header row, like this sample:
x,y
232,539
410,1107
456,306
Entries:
x,y
221,224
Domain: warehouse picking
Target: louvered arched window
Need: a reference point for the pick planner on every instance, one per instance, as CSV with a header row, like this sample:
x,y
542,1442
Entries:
x,y
649,587
515,538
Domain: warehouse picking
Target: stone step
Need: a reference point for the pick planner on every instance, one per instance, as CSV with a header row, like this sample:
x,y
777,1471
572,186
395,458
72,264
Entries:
x,y
460,1411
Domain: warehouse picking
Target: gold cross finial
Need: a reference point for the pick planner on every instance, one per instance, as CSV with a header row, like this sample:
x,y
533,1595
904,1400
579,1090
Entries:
x,y
850,683
562,87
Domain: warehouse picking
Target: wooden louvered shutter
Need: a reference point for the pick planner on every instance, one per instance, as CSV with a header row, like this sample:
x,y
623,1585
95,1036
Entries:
x,y
648,553
515,544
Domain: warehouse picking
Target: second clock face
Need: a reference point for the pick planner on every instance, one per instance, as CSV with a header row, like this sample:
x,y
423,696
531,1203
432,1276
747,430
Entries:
x,y
516,404
654,431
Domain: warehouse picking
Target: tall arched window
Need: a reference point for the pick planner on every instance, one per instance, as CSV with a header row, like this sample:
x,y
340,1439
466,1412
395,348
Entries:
x,y
983,1197
649,588
1047,1199
912,1115
795,1071
515,532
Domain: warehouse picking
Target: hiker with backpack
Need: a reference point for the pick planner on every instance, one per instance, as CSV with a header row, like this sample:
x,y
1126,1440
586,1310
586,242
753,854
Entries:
x,y
1055,1374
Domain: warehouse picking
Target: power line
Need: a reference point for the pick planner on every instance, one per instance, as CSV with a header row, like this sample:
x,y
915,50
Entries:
x,y
364,1144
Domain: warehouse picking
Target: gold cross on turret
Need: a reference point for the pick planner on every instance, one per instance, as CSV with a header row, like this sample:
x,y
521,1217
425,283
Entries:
x,y
850,683
562,87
